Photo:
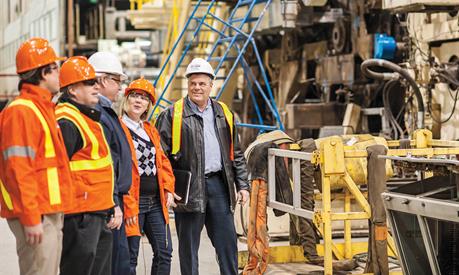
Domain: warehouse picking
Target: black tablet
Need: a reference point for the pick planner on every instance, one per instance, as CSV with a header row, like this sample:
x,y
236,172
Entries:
x,y
182,184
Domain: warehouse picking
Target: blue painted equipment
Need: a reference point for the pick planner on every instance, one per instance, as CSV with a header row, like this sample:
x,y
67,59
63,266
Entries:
x,y
385,46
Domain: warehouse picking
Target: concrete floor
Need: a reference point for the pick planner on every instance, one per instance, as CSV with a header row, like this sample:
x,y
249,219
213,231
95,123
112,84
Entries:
x,y
208,264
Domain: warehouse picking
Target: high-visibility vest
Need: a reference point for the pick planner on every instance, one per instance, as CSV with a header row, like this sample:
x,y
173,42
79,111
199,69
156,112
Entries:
x,y
91,166
50,155
177,126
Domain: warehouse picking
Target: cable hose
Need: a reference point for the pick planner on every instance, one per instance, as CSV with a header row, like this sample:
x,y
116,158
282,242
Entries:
x,y
439,121
396,72
386,91
446,76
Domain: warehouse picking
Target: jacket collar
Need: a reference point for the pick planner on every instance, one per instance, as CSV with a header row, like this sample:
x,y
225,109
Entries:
x,y
92,113
36,91
188,110
104,101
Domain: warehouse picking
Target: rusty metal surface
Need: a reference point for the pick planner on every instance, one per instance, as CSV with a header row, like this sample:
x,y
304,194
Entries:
x,y
336,70
314,116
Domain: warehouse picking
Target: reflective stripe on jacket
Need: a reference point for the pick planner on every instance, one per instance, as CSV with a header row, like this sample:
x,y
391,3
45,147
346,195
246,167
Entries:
x,y
166,179
92,166
177,126
191,157
34,171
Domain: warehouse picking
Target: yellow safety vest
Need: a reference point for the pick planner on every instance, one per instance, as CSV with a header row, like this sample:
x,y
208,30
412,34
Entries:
x,y
71,113
177,126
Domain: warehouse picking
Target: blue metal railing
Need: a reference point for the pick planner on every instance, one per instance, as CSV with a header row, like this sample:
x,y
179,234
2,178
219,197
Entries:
x,y
237,40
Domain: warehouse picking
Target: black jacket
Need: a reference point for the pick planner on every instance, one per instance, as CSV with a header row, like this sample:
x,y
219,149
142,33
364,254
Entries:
x,y
191,154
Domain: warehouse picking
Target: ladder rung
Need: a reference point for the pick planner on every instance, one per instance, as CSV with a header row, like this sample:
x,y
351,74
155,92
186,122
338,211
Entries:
x,y
250,19
220,78
228,58
249,2
201,30
228,39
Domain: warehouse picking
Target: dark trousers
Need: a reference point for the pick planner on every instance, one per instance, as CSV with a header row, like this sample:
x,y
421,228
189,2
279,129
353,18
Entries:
x,y
120,262
153,224
87,245
303,230
219,223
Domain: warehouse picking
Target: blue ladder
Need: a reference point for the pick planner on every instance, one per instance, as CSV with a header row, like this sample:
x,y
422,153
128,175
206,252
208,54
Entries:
x,y
234,38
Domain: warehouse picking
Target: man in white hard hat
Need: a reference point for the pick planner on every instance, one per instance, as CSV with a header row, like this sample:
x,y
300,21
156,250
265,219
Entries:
x,y
110,74
204,142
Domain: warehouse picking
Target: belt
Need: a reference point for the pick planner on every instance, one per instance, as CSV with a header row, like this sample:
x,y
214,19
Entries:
x,y
213,174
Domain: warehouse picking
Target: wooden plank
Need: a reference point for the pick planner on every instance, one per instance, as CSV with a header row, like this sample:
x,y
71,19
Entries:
x,y
351,118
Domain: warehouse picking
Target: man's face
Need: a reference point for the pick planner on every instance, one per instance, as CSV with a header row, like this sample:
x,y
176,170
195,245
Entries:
x,y
86,92
110,87
51,80
199,87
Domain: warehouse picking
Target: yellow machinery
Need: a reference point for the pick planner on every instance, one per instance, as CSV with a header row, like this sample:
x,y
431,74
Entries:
x,y
332,157
342,161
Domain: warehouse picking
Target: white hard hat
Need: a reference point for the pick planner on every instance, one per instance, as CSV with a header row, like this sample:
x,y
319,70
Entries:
x,y
107,62
199,66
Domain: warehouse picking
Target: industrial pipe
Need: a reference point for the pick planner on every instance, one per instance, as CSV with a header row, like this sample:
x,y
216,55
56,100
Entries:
x,y
395,75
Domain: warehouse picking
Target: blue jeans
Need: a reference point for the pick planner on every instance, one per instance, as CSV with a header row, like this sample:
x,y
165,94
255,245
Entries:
x,y
121,255
153,224
219,222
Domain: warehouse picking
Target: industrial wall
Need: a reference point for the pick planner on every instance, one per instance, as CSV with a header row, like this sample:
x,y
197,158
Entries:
x,y
20,20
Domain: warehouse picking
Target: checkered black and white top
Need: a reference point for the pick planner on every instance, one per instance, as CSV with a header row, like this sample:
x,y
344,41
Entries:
x,y
146,155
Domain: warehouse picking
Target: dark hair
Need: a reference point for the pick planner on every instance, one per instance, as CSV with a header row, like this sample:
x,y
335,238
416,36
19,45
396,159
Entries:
x,y
65,95
35,77
64,90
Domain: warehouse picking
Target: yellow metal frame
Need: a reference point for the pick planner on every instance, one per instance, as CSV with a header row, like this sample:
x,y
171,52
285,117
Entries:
x,y
331,158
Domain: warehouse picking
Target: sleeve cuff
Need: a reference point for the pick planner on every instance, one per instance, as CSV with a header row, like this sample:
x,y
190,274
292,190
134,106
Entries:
x,y
116,200
30,219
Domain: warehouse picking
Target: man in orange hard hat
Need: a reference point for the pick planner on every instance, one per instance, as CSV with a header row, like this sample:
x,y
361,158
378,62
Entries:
x,y
87,245
34,172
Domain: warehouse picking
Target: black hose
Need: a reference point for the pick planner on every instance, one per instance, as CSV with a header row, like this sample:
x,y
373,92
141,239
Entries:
x,y
385,96
397,71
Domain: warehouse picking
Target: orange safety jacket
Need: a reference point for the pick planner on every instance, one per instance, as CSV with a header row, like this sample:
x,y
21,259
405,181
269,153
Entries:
x,y
166,179
34,170
131,199
92,166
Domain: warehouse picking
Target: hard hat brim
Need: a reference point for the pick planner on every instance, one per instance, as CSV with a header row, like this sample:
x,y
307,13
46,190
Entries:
x,y
63,58
211,76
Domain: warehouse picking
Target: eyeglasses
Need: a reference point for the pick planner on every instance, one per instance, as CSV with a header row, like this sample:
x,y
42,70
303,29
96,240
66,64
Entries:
x,y
117,80
90,82
139,96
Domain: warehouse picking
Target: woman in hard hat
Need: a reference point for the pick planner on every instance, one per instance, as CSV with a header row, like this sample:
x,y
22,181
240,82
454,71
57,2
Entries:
x,y
152,190
87,244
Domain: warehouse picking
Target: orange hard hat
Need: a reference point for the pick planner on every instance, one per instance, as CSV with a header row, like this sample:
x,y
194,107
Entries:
x,y
35,53
76,69
143,85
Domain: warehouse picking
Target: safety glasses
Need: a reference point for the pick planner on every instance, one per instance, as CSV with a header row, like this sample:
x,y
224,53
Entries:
x,y
139,96
90,82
